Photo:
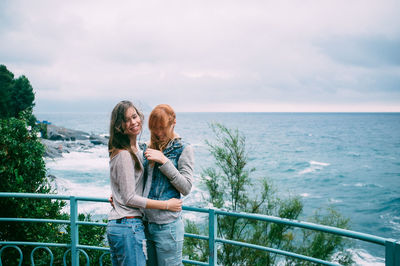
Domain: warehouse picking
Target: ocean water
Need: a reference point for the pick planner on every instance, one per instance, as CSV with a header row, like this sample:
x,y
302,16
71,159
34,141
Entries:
x,y
350,161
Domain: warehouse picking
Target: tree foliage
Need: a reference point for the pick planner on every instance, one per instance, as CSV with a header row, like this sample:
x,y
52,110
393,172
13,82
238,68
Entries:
x,y
6,83
23,169
16,95
230,187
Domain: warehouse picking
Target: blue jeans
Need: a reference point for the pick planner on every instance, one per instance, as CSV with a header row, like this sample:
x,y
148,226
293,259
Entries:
x,y
127,242
164,243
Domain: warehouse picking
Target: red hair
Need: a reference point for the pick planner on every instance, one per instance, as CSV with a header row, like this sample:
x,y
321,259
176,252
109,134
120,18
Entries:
x,y
162,117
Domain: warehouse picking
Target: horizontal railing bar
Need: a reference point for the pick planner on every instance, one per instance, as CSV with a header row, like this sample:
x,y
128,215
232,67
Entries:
x,y
21,243
33,195
195,262
93,247
196,236
277,251
91,223
317,227
34,220
195,209
48,196
92,199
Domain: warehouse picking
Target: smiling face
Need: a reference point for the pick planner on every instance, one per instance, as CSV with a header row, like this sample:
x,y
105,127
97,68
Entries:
x,y
132,125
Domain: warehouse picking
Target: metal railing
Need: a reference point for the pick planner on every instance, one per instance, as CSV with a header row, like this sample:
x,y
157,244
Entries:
x,y
392,247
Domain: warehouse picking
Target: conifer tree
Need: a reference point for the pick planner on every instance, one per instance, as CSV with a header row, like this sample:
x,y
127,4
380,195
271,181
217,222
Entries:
x,y
22,96
6,83
231,188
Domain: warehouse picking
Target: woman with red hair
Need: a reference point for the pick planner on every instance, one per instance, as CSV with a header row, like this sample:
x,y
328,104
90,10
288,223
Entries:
x,y
168,163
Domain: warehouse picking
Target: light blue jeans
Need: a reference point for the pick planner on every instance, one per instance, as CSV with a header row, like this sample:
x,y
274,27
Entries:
x,y
164,243
127,242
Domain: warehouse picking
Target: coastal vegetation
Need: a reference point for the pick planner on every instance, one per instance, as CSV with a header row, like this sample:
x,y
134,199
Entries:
x,y
23,169
230,187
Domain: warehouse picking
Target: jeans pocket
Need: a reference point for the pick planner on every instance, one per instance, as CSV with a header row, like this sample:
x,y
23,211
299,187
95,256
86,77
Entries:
x,y
177,230
115,237
137,228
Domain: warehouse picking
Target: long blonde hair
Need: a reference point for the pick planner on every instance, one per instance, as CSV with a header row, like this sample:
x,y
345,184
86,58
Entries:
x,y
118,139
162,117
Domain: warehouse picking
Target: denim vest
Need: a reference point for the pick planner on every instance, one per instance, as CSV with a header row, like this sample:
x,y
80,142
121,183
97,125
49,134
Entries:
x,y
161,188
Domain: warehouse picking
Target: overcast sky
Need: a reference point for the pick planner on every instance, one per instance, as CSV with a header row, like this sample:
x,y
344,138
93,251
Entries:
x,y
306,55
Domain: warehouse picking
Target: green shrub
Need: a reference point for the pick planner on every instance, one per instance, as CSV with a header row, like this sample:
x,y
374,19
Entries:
x,y
230,187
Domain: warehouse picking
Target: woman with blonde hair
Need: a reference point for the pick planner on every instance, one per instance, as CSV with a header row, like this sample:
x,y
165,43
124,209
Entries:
x,y
125,230
168,163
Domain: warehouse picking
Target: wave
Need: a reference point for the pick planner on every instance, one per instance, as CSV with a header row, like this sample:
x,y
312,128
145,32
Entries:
x,y
93,159
310,196
359,184
314,166
98,190
319,163
362,257
332,200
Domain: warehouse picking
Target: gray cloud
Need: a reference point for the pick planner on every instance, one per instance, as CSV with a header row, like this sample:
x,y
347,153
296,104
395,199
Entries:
x,y
369,51
197,56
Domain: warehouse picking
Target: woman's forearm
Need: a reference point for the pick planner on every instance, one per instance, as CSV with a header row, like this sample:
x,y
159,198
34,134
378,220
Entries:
x,y
168,205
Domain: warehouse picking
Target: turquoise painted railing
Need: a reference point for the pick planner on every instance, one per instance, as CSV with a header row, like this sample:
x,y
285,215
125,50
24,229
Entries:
x,y
392,247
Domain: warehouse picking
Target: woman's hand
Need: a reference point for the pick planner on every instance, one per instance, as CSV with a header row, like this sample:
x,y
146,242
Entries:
x,y
155,156
174,205
110,199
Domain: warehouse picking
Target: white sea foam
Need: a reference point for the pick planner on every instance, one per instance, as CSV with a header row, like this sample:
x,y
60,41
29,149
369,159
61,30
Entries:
x,y
314,166
392,219
359,184
307,170
92,189
90,160
311,196
195,198
395,223
69,188
332,200
319,163
361,257
95,158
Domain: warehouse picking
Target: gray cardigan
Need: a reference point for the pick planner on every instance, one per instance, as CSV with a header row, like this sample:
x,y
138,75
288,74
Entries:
x,y
126,186
181,179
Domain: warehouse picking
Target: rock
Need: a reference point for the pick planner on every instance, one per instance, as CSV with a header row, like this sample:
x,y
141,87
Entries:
x,y
62,140
98,140
62,133
52,149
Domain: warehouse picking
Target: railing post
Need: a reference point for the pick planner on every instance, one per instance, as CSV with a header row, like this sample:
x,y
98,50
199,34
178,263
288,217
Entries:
x,y
212,235
392,256
74,231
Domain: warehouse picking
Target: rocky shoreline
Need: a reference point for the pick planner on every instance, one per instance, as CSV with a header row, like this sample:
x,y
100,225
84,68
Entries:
x,y
63,140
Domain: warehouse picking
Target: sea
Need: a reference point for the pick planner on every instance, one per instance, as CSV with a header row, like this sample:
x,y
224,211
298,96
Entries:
x,y
348,161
